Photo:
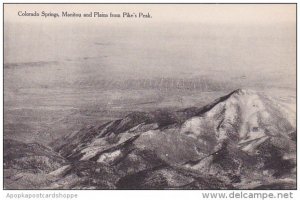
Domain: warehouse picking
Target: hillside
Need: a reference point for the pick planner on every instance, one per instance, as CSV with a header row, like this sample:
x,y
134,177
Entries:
x,y
242,140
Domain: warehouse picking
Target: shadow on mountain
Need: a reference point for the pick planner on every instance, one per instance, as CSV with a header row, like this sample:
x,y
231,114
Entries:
x,y
244,140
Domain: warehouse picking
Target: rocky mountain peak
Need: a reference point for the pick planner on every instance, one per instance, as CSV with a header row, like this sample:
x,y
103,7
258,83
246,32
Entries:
x,y
241,137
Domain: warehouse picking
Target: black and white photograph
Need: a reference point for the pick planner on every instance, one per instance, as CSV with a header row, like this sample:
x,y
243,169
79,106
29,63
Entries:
x,y
149,96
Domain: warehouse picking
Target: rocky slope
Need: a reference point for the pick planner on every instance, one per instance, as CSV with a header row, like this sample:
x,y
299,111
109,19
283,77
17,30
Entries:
x,y
243,140
26,165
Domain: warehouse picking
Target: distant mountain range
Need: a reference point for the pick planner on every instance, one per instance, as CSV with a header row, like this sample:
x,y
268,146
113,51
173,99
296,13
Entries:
x,y
244,140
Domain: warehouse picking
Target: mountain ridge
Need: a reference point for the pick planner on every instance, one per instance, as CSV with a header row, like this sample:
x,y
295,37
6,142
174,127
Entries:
x,y
242,133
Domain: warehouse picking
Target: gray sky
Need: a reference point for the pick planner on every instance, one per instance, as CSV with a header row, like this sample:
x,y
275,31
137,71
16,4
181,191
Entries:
x,y
179,41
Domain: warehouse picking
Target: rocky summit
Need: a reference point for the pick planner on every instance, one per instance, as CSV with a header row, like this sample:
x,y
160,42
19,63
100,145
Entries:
x,y
244,140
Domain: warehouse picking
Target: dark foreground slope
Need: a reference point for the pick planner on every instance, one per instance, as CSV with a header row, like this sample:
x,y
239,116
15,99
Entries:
x,y
244,140
27,164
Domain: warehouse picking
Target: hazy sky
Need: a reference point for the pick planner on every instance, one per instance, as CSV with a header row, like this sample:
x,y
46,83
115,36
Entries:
x,y
179,40
201,13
